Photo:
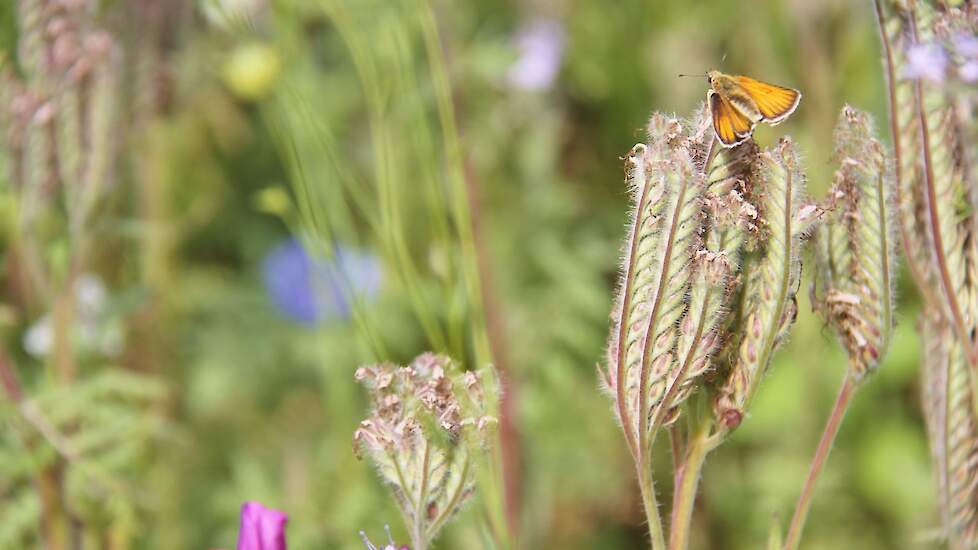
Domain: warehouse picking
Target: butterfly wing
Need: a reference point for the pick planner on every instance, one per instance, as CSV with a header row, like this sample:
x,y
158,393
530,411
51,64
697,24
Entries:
x,y
775,103
731,127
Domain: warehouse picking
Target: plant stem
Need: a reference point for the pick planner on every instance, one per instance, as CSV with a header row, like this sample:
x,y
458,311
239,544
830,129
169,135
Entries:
x,y
676,442
818,461
54,526
647,487
688,481
63,313
421,510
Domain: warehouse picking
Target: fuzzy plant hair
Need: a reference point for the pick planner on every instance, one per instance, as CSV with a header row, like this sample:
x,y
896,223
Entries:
x,y
933,129
709,273
855,248
428,426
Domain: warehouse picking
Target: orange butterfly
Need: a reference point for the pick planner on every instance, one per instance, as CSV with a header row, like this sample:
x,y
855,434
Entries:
x,y
738,103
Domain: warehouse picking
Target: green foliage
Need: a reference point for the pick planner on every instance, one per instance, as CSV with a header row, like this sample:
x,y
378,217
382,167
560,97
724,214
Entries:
x,y
103,431
374,125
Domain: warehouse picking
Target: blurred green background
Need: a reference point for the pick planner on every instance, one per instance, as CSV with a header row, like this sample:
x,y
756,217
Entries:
x,y
266,124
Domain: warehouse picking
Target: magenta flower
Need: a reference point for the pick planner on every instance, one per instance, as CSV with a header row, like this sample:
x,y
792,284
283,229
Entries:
x,y
261,528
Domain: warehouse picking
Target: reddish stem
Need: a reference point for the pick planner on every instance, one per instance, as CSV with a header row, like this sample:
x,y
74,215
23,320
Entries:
x,y
508,433
818,462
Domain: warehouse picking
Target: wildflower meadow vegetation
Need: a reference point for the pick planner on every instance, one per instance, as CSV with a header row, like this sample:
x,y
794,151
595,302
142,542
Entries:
x,y
423,274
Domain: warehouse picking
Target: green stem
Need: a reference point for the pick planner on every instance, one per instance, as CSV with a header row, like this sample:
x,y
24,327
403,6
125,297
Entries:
x,y
689,479
818,462
420,511
453,503
647,487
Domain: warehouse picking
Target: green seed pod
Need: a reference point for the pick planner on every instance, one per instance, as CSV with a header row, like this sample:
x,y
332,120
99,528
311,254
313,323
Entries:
x,y
773,276
953,432
663,238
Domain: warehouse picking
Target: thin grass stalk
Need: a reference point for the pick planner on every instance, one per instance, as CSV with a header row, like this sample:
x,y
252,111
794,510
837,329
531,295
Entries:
x,y
486,330
387,177
446,189
312,218
454,164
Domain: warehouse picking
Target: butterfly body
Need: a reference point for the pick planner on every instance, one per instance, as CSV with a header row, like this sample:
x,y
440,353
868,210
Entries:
x,y
738,103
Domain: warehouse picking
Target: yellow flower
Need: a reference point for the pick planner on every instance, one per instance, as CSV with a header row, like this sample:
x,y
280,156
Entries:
x,y
252,70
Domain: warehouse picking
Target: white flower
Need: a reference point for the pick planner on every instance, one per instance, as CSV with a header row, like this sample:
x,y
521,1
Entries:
x,y
92,330
90,295
39,338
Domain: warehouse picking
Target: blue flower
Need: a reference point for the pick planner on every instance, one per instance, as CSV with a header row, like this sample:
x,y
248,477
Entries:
x,y
311,290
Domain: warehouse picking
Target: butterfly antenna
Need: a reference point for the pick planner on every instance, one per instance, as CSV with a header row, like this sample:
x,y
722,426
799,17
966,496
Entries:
x,y
724,58
695,75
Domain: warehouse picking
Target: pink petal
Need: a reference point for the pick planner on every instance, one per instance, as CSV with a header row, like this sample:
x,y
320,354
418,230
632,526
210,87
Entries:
x,y
261,528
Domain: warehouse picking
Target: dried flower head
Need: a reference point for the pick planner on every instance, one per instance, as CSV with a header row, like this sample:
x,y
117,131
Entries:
x,y
854,249
429,422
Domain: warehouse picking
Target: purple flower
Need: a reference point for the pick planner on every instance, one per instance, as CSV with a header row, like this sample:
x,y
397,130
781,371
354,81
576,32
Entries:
x,y
966,45
541,46
261,528
311,290
926,61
